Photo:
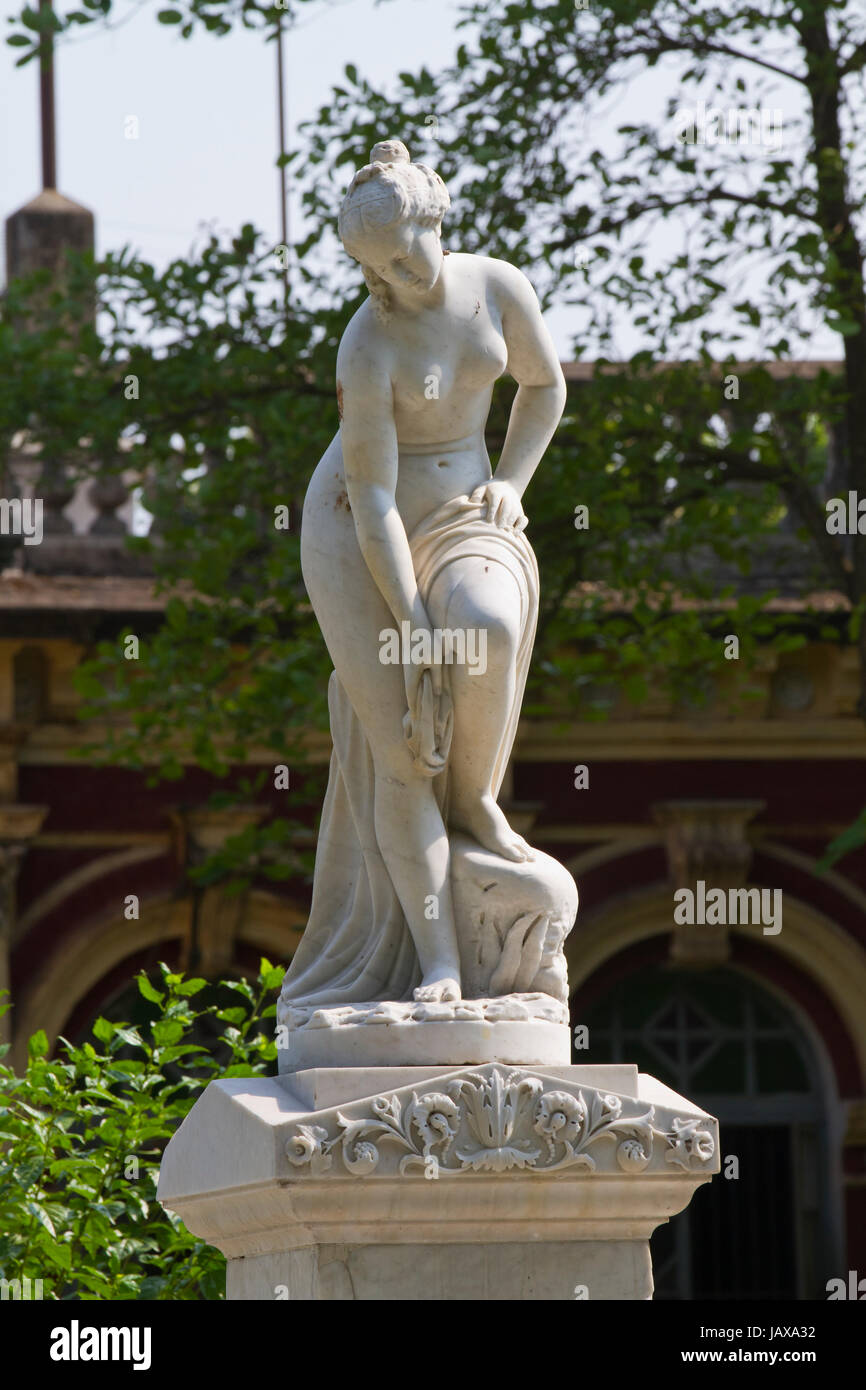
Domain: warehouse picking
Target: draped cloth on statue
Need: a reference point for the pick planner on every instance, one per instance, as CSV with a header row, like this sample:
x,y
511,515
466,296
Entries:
x,y
357,947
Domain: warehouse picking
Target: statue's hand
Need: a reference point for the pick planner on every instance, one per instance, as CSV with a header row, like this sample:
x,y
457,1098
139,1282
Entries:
x,y
504,507
412,674
428,722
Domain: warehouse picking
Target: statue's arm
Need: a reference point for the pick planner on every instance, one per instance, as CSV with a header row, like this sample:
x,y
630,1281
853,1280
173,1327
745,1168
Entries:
x,y
369,444
534,363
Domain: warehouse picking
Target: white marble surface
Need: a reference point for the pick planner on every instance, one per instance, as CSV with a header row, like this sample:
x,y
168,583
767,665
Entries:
x,y
330,1193
422,889
320,1087
407,1043
513,1271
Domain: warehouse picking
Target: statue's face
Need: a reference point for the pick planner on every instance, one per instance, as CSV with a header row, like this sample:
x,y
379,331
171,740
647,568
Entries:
x,y
407,256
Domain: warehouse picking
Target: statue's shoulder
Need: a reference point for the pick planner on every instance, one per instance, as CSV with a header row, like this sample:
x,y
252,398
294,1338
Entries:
x,y
362,324
510,280
505,280
363,346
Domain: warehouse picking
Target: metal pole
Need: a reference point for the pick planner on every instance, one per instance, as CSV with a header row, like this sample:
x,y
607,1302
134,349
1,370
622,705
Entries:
x,y
281,118
46,105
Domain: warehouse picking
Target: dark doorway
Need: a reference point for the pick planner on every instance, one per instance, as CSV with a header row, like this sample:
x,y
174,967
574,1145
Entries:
x,y
761,1229
736,1238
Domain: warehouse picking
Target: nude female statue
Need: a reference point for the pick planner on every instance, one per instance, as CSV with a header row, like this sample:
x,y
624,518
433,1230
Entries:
x,y
404,523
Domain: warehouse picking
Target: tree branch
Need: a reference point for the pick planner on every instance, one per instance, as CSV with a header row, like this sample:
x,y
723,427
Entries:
x,y
855,62
690,44
687,199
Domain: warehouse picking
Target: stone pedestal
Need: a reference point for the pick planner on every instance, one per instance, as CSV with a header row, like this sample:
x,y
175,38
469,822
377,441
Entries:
x,y
428,1183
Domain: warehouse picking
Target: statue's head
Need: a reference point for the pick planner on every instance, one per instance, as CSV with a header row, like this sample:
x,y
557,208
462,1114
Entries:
x,y
391,220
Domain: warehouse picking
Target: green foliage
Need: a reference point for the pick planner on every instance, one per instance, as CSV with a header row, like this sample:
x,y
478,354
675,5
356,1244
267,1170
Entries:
x,y
217,17
698,501
82,1133
235,392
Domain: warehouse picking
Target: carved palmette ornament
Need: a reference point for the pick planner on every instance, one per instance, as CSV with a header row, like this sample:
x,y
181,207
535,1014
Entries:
x,y
497,1120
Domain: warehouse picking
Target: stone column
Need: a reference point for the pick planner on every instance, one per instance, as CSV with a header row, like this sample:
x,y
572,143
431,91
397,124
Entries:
x,y
218,915
39,235
18,825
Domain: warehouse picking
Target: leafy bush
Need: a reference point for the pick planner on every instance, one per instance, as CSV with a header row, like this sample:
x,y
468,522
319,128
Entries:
x,y
82,1134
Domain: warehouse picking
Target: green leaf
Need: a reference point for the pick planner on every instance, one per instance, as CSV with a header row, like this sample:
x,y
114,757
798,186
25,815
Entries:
x,y
146,989
213,1282
169,16
38,1044
171,1054
850,839
233,1016
270,976
167,1031
59,1254
240,987
38,1211
191,986
103,1030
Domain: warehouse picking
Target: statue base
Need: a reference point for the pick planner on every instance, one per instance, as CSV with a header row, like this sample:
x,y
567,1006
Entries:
x,y
427,1183
516,1029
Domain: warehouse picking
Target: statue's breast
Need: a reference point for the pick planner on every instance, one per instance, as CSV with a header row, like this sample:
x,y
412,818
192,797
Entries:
x,y
466,363
484,355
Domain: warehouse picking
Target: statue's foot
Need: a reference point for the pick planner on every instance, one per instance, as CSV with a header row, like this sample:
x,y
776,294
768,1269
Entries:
x,y
488,826
438,987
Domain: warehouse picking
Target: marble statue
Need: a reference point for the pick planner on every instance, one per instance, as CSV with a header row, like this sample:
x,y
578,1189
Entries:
x,y
422,1026
427,905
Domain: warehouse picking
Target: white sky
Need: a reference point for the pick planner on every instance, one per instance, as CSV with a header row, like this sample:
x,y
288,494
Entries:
x,y
206,109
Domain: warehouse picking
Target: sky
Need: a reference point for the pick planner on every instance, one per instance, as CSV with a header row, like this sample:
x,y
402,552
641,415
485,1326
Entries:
x,y
206,110
206,120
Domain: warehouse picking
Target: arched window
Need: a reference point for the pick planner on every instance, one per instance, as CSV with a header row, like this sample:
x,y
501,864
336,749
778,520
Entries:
x,y
715,1036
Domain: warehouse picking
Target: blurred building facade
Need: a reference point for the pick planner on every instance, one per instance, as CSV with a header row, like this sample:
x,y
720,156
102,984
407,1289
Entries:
x,y
766,1030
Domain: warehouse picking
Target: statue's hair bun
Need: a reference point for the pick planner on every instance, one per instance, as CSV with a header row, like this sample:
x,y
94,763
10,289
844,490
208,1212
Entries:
x,y
387,191
389,152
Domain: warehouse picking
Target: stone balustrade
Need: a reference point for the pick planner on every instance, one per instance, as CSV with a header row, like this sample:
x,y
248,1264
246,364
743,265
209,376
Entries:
x,y
67,524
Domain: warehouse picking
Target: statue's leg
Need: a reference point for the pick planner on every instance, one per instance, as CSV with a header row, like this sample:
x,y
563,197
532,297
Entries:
x,y
409,829
481,596
414,844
